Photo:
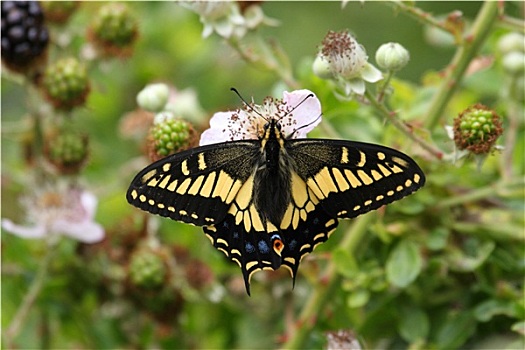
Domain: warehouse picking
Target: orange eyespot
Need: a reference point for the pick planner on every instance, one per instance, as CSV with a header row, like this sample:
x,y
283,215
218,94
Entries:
x,y
278,246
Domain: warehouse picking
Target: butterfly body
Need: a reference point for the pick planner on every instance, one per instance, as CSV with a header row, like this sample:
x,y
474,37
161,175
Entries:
x,y
268,202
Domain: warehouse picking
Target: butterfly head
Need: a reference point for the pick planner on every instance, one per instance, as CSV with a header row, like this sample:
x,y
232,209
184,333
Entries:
x,y
293,116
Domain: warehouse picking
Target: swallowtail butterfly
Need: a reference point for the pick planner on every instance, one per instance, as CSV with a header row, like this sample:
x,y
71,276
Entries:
x,y
268,202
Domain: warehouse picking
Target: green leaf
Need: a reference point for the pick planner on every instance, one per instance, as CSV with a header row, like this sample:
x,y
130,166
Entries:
x,y
358,298
461,262
414,325
519,327
490,308
437,239
456,330
345,263
404,264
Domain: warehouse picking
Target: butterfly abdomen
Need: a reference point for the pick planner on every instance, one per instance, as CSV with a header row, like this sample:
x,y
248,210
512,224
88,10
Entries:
x,y
273,178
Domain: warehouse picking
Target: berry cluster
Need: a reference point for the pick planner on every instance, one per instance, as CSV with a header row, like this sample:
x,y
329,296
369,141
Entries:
x,y
24,34
169,136
477,129
66,83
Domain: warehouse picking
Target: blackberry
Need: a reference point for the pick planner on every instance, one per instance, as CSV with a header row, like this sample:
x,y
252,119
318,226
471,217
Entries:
x,y
169,135
477,128
24,34
114,30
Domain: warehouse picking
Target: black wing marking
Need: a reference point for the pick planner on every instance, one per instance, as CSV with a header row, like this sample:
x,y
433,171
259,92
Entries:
x,y
352,178
251,249
196,186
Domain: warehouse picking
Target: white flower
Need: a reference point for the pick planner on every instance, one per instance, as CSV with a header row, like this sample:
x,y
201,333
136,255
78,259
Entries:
x,y
298,113
52,211
347,61
225,17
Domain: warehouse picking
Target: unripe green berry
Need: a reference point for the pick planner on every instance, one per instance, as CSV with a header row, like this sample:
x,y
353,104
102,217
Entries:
x,y
147,269
114,29
392,56
59,11
66,83
169,136
477,129
67,150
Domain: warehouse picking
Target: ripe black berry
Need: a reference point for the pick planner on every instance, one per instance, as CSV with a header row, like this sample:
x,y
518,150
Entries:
x,y
24,34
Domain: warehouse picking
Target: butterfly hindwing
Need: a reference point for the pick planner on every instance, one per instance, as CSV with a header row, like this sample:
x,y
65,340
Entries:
x,y
196,186
352,178
269,202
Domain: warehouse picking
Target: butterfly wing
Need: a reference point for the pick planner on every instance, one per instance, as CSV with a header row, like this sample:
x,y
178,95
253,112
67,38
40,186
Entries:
x,y
352,178
196,186
335,179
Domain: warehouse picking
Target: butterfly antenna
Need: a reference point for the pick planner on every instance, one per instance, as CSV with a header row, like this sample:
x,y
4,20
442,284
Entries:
x,y
300,103
306,125
246,103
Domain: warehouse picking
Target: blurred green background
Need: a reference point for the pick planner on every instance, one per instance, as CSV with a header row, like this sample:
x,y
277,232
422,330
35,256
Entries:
x,y
79,306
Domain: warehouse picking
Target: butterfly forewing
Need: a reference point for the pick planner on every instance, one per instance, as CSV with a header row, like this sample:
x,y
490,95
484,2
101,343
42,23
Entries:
x,y
195,186
269,202
352,178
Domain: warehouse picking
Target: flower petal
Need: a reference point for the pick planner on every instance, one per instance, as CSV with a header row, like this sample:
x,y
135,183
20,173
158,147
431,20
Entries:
x,y
218,131
86,231
356,85
307,112
89,203
23,231
371,74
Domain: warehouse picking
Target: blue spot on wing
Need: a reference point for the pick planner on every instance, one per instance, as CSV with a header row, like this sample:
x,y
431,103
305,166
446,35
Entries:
x,y
249,247
263,247
292,244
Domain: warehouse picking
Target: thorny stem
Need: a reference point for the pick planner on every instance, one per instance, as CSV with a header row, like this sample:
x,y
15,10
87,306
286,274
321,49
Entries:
x,y
29,300
391,116
480,30
324,291
420,15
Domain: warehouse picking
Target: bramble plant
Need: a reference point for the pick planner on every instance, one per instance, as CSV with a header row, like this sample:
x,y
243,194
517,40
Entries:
x,y
93,92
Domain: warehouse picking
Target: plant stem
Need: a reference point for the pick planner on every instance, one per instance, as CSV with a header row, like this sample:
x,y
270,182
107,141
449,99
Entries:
x,y
263,62
484,192
420,15
511,23
385,85
480,31
322,294
391,116
29,299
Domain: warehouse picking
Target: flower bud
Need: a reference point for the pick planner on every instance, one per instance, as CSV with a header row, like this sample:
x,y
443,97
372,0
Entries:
x,y
511,42
153,97
514,62
392,56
